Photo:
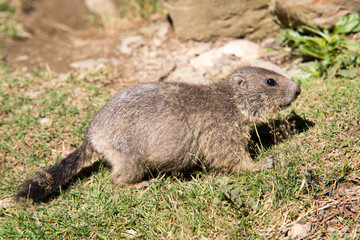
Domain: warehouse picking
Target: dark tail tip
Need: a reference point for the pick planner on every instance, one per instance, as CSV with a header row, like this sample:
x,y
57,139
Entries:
x,y
48,182
32,189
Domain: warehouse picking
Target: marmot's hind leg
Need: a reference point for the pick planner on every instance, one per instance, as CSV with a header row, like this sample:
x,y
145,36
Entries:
x,y
128,172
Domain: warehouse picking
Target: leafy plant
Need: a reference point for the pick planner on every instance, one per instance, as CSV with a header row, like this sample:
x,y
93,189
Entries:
x,y
334,54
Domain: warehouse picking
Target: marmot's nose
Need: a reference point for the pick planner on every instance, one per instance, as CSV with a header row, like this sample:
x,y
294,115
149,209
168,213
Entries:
x,y
298,91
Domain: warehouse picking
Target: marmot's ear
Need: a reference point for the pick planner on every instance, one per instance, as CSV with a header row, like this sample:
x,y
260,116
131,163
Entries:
x,y
237,79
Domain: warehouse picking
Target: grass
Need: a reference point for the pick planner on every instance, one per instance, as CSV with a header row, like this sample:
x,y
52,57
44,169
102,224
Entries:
x,y
210,205
43,116
8,25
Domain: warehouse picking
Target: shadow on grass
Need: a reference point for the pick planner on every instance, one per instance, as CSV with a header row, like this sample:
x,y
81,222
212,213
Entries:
x,y
267,134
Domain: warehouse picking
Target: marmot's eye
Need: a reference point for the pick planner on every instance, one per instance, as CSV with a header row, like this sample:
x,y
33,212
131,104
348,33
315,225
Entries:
x,y
270,82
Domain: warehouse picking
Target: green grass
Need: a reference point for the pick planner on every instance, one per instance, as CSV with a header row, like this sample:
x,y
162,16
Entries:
x,y
8,24
208,206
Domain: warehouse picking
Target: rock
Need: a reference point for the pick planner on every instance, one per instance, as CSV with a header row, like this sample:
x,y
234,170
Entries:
x,y
293,13
21,58
129,43
224,64
188,75
205,61
206,20
216,60
105,8
243,49
88,63
45,122
300,230
130,233
201,49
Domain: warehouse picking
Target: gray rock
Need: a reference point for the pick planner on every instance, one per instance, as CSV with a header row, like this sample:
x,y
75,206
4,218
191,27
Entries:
x,y
207,20
129,43
300,230
45,122
105,8
243,49
293,13
21,58
207,60
88,63
213,60
188,75
201,49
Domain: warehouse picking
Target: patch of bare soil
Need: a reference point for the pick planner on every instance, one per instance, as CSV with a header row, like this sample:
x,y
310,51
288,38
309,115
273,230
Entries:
x,y
61,38
49,27
57,33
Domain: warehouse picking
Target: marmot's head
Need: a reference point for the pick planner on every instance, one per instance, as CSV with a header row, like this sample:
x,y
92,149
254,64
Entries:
x,y
259,91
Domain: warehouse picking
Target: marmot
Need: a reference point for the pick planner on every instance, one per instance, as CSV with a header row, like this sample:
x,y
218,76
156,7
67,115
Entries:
x,y
174,127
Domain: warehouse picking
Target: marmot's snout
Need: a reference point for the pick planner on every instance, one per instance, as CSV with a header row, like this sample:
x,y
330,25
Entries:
x,y
295,95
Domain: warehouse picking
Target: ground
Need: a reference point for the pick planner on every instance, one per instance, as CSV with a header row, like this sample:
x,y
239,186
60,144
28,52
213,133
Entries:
x,y
81,61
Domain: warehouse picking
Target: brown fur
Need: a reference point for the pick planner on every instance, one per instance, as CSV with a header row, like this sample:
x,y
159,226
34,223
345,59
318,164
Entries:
x,y
176,127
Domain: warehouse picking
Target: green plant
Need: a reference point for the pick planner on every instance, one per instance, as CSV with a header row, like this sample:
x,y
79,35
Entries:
x,y
334,54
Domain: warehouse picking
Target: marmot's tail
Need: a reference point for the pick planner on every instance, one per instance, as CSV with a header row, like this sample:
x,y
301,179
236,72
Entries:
x,y
48,182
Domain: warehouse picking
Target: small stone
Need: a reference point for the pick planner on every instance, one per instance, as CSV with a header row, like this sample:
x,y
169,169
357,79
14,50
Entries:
x,y
243,49
131,233
187,75
106,8
163,30
88,63
45,122
201,49
129,43
300,230
21,58
206,60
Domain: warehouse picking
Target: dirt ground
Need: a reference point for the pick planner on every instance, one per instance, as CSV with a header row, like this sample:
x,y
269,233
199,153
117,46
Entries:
x,y
62,39
57,35
49,27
